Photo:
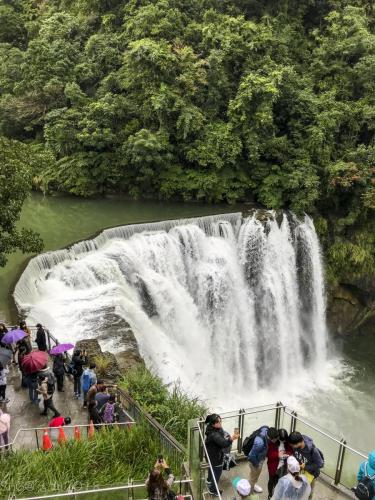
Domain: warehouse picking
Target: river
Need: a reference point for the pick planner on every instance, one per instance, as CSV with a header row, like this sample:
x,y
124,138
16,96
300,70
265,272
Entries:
x,y
344,404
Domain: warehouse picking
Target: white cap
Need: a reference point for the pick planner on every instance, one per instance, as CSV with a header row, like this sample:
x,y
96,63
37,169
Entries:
x,y
243,487
293,465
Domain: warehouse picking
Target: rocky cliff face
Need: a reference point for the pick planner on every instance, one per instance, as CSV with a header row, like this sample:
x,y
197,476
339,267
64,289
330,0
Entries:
x,y
351,307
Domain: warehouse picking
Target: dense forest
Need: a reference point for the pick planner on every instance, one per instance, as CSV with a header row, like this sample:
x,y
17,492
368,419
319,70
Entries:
x,y
214,100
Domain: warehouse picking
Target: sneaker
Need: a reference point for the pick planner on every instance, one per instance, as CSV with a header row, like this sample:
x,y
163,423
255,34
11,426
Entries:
x,y
258,489
6,400
213,493
208,482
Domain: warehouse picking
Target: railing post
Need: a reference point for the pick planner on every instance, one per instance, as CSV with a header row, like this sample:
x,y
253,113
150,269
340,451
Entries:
x,y
277,415
241,419
293,421
201,451
49,340
340,462
37,440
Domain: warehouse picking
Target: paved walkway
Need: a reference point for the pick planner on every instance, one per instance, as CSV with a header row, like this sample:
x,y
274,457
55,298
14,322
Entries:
x,y
322,490
26,415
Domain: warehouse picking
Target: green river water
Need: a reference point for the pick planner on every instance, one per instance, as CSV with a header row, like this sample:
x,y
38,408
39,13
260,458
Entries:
x,y
348,406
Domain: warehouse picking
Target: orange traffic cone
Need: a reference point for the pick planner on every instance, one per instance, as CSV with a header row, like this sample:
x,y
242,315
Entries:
x,y
77,434
62,438
91,430
47,443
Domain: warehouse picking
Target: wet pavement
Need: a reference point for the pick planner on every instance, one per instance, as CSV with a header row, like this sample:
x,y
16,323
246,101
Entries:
x,y
25,415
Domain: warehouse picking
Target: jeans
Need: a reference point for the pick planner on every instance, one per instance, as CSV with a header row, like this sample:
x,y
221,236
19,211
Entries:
x,y
272,482
217,469
60,381
77,385
32,385
2,391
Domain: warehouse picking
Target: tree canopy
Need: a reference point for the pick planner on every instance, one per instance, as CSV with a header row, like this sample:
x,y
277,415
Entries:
x,y
214,100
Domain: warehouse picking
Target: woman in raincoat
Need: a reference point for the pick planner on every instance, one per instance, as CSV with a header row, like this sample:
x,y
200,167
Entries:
x,y
293,485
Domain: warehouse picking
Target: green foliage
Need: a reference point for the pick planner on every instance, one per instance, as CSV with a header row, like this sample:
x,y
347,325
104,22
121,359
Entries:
x,y
210,100
170,406
15,185
111,458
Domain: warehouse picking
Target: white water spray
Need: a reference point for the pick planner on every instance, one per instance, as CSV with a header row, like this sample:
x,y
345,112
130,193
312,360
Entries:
x,y
226,305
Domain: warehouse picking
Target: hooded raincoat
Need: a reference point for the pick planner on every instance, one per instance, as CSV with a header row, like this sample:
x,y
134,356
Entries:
x,y
289,488
370,469
310,456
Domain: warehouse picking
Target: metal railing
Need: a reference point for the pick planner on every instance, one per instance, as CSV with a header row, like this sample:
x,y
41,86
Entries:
x,y
341,461
97,492
27,435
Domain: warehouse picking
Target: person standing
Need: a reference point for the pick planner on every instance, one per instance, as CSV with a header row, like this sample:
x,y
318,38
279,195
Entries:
x,y
94,389
32,383
215,444
94,415
87,380
59,371
3,331
158,488
293,485
46,389
276,460
79,359
258,453
366,474
308,455
3,383
101,397
26,339
40,339
4,428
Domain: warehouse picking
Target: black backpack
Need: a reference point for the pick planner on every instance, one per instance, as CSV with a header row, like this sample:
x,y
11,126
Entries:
x,y
365,488
249,441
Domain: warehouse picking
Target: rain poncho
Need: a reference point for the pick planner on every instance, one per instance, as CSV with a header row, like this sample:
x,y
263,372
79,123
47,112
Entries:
x,y
289,488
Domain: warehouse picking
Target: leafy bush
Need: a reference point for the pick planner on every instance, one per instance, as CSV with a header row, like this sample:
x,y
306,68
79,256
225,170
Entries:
x,y
102,364
172,407
111,457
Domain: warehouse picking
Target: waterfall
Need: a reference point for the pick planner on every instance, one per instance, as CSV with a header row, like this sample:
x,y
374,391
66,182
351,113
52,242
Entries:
x,y
225,304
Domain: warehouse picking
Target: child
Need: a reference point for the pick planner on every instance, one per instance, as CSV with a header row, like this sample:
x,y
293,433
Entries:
x,y
242,487
3,383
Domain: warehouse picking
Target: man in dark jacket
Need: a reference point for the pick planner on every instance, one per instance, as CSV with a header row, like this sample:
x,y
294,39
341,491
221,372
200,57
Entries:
x,y
215,444
78,361
41,338
59,371
258,454
307,454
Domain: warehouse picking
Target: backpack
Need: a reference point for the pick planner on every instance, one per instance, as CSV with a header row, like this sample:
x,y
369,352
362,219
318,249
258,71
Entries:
x,y
320,453
108,413
365,489
86,380
249,441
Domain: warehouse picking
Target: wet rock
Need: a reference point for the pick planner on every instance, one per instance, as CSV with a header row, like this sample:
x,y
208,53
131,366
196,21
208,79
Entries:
x,y
350,311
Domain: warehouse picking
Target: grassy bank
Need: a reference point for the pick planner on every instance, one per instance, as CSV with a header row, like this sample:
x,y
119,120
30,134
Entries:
x,y
171,406
110,458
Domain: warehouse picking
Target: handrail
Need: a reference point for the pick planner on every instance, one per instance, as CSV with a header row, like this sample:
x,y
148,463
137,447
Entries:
x,y
209,462
102,490
173,441
36,429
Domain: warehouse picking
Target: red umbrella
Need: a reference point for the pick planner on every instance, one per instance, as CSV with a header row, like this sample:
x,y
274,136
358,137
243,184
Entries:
x,y
35,361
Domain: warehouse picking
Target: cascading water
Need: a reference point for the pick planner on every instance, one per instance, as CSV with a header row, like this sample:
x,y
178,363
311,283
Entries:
x,y
227,305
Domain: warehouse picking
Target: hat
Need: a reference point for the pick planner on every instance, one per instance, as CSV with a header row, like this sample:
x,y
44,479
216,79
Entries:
x,y
242,486
293,465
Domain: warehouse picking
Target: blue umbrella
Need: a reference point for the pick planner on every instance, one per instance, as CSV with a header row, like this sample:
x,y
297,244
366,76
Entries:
x,y
13,336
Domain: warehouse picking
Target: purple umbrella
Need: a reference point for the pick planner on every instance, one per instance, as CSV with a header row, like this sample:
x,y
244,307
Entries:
x,y
13,336
60,348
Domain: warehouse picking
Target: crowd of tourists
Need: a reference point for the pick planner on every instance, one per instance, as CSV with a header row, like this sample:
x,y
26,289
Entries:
x,y
294,463
42,380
